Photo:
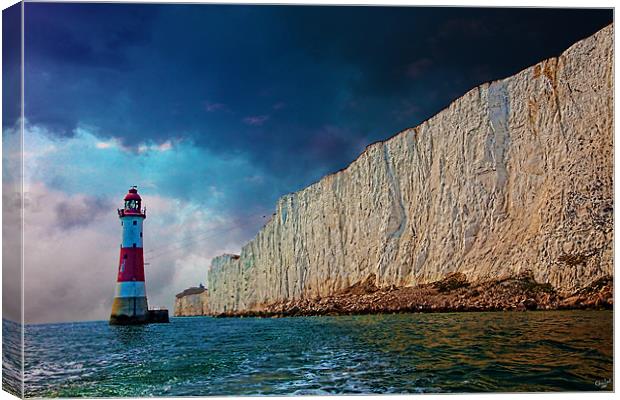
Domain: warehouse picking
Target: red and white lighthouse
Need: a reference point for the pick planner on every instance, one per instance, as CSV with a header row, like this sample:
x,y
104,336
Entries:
x,y
130,305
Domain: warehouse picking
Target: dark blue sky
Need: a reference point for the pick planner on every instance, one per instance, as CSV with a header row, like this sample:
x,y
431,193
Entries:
x,y
299,91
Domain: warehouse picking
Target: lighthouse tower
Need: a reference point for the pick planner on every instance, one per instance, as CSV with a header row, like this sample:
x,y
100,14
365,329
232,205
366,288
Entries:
x,y
130,305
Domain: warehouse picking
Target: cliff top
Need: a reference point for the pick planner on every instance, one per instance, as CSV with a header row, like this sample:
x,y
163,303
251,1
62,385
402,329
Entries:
x,y
192,290
606,31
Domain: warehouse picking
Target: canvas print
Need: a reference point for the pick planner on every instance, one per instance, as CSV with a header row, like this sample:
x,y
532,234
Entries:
x,y
235,200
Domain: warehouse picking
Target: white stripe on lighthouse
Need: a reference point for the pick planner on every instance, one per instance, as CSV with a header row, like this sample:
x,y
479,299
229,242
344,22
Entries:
x,y
130,289
131,232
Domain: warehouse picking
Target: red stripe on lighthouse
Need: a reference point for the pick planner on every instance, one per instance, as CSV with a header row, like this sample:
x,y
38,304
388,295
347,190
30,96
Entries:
x,y
131,265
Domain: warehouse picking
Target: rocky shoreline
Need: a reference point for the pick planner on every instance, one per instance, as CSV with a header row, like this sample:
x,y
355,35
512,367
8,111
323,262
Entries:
x,y
454,293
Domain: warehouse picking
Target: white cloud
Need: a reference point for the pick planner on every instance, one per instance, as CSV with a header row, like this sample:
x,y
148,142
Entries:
x,y
165,146
70,268
72,233
255,179
256,120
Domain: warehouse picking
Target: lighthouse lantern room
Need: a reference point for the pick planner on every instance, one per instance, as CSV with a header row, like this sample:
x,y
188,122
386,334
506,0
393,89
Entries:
x,y
130,305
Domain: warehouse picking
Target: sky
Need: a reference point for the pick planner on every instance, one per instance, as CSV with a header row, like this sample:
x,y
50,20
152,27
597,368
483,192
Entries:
x,y
216,111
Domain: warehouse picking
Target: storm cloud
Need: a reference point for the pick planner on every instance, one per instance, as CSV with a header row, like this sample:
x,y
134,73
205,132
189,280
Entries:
x,y
80,211
213,73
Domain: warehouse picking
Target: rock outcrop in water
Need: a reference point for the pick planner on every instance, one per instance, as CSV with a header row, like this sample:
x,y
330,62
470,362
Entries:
x,y
192,302
516,175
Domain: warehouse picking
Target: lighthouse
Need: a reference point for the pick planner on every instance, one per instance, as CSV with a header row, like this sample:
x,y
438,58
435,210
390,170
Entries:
x,y
130,305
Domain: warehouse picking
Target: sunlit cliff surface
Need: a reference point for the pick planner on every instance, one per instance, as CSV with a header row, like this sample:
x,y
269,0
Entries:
x,y
516,174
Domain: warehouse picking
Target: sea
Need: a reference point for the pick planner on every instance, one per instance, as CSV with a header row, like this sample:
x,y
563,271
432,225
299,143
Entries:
x,y
367,354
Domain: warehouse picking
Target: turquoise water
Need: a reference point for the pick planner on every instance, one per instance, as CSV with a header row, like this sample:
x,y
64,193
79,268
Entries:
x,y
406,353
11,357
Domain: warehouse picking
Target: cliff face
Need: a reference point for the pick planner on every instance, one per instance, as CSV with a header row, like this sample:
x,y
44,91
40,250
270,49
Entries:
x,y
516,174
192,302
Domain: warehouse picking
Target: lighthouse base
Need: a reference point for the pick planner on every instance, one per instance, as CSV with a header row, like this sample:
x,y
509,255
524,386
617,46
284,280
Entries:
x,y
134,311
153,317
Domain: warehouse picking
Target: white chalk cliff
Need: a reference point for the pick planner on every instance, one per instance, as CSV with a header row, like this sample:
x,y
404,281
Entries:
x,y
192,302
516,174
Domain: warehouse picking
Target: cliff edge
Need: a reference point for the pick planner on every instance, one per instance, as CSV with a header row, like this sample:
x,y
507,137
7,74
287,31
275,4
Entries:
x,y
515,175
